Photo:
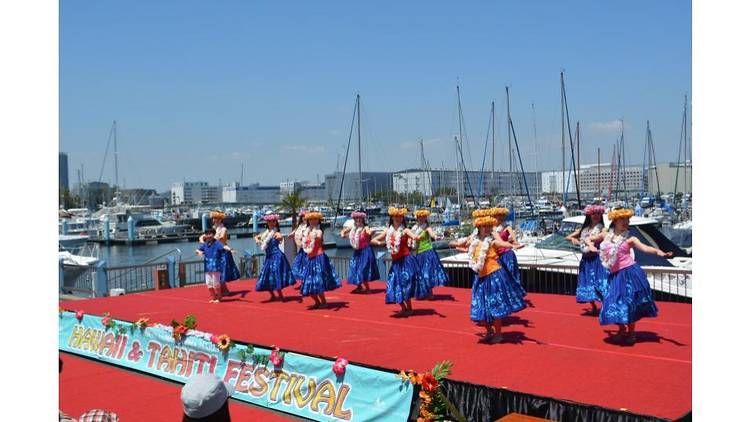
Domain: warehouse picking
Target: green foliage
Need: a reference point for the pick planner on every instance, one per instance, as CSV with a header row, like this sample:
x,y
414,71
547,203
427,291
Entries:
x,y
442,370
190,322
293,202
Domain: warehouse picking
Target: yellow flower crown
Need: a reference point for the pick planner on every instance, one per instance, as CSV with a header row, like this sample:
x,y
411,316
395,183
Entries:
x,y
499,211
620,213
481,213
217,214
313,215
422,213
484,221
393,211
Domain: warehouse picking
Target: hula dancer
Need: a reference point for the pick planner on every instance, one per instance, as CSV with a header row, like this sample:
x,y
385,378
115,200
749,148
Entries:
x,y
276,272
229,270
318,275
402,277
592,276
494,294
507,256
363,267
431,272
299,233
212,251
628,297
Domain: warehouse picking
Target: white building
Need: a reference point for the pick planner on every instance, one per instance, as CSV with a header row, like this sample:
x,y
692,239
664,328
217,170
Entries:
x,y
595,179
252,194
670,174
194,193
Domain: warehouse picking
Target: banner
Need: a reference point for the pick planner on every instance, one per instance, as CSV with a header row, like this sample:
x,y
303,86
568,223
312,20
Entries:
x,y
301,385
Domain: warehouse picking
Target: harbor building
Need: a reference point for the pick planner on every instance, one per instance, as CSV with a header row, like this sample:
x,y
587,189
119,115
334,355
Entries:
x,y
595,179
63,181
233,193
313,192
435,182
187,193
668,172
372,182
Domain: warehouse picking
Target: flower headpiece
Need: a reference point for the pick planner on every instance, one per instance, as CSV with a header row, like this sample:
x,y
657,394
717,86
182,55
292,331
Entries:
x,y
593,209
359,214
481,213
217,214
422,213
393,211
302,213
620,213
499,212
271,217
313,215
484,221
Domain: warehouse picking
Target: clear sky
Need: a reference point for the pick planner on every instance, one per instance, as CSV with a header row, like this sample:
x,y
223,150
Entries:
x,y
198,88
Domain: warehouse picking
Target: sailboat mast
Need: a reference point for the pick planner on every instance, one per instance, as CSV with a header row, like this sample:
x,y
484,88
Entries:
x,y
510,140
492,180
536,149
114,129
459,142
562,132
359,154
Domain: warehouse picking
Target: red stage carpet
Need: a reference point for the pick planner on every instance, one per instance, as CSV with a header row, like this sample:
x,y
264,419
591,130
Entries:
x,y
550,350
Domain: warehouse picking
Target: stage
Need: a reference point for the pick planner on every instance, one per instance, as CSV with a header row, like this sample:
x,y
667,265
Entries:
x,y
551,350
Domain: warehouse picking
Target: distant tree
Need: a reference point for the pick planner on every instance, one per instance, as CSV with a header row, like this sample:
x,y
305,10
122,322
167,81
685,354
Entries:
x,y
293,201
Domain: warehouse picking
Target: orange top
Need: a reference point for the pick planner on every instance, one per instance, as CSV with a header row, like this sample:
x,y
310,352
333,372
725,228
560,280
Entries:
x,y
490,263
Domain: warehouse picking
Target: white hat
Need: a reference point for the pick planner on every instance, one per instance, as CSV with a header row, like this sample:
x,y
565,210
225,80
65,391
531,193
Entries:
x,y
204,394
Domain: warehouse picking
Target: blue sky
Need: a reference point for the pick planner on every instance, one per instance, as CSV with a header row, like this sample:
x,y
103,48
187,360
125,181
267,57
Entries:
x,y
199,88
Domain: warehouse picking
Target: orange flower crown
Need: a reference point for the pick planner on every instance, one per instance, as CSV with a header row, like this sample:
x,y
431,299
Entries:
x,y
313,215
499,212
620,213
217,214
484,221
481,213
393,211
422,213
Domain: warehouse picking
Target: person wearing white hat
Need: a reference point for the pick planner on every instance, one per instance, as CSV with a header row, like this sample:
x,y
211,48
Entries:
x,y
205,398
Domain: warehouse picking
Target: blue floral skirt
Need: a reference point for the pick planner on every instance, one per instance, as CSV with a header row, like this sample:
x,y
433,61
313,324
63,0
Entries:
x,y
495,296
363,267
628,297
592,279
402,278
319,276
509,262
275,273
298,265
229,270
430,273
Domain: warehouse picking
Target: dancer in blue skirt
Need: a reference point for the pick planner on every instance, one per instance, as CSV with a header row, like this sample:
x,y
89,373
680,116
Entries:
x,y
363,267
318,275
229,270
507,256
629,296
592,276
402,277
494,294
431,272
276,272
299,233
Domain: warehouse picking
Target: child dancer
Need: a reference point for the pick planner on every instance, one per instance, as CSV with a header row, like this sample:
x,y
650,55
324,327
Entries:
x,y
431,272
363,267
592,276
494,294
276,272
213,251
402,276
299,233
319,275
628,297
229,270
507,257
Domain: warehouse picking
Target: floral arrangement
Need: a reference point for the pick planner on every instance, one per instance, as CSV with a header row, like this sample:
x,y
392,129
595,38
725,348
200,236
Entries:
x,y
266,237
339,366
477,262
620,213
422,213
393,211
276,357
308,241
417,229
301,232
485,212
217,214
393,239
434,405
588,232
222,342
79,315
179,330
608,255
270,217
313,215
484,221
499,212
593,209
359,214
354,236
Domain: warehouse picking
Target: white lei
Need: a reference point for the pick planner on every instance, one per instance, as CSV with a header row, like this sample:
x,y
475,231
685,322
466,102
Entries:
x,y
586,233
300,233
417,229
609,256
478,264
308,242
354,235
395,245
265,238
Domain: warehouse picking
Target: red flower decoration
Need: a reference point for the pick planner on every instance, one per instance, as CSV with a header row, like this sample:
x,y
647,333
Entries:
x,y
105,321
179,331
79,315
276,358
429,383
339,367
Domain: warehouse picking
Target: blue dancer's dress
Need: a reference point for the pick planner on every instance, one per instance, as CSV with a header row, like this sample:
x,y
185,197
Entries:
x,y
276,272
494,294
363,266
629,295
318,276
402,277
592,279
298,265
431,272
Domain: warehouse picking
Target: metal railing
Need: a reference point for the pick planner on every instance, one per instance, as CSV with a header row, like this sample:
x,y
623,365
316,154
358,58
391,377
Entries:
x,y
79,283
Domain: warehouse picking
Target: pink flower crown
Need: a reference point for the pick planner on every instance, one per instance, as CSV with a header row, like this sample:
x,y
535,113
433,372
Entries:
x,y
271,217
593,209
359,214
